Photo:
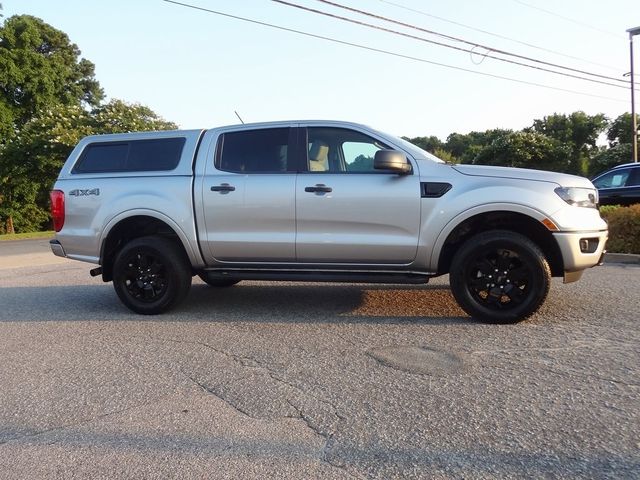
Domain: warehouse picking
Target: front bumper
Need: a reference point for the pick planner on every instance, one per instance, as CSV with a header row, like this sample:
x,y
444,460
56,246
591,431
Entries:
x,y
580,250
57,249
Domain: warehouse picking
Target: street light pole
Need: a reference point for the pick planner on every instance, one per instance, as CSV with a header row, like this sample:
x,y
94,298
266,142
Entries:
x,y
634,122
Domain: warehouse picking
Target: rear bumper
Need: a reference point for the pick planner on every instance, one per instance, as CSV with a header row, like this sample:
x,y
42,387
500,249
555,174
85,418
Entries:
x,y
57,249
581,250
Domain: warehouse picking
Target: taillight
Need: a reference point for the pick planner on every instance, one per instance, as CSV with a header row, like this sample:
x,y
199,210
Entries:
x,y
57,209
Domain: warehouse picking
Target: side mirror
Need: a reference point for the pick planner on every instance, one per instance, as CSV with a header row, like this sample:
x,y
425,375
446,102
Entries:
x,y
391,160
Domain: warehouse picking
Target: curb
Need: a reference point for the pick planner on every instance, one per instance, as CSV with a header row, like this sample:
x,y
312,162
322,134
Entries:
x,y
627,258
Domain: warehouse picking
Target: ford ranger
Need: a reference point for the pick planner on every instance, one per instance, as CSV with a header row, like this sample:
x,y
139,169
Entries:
x,y
317,201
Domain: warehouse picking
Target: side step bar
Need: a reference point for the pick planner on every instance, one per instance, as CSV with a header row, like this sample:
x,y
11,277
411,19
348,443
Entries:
x,y
320,276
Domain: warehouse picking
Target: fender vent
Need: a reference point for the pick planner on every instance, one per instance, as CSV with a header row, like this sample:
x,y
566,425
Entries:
x,y
434,189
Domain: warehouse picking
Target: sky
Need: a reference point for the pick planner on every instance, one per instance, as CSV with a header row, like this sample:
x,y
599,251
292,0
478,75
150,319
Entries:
x,y
197,69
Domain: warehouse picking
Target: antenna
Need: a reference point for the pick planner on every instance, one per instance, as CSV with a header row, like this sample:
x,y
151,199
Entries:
x,y
239,117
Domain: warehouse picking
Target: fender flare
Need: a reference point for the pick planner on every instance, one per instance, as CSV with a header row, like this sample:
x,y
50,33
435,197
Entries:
x,y
452,224
193,253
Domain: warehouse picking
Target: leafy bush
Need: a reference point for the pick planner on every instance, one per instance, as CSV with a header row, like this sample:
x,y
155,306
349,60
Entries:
x,y
624,228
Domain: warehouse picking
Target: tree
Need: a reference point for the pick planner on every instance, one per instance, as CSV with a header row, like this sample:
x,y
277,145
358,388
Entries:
x,y
619,131
525,150
607,158
40,69
467,146
32,159
430,144
118,116
579,131
620,148
442,154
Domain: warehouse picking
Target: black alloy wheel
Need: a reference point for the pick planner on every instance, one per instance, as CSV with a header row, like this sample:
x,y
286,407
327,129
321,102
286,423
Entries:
x,y
151,275
500,277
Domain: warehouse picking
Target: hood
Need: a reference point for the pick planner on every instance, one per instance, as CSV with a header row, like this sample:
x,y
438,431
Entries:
x,y
561,179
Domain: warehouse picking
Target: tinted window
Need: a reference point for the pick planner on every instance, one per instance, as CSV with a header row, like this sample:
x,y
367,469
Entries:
x,y
161,154
255,151
131,156
106,157
634,178
337,150
616,178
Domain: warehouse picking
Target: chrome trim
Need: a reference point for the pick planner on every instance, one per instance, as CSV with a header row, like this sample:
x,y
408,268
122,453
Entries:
x,y
57,249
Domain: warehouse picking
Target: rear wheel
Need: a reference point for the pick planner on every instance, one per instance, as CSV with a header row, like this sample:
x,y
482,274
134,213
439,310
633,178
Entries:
x,y
151,275
500,277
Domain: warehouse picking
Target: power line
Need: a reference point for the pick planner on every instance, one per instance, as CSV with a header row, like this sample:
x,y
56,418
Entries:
x,y
387,52
450,37
569,19
496,35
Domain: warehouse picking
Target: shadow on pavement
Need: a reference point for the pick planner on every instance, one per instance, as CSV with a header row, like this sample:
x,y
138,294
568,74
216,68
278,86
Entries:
x,y
247,302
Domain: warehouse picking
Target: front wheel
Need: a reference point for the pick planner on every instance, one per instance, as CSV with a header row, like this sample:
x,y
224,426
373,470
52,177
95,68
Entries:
x,y
500,277
151,275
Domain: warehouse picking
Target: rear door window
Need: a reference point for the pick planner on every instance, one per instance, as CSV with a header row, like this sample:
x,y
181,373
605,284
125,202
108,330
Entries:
x,y
255,151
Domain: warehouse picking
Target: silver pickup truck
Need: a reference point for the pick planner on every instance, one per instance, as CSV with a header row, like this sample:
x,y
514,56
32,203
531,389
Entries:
x,y
317,201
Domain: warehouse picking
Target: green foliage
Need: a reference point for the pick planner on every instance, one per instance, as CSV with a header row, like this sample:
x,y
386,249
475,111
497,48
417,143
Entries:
x,y
561,143
624,228
607,209
430,144
619,131
118,116
525,150
40,68
466,147
448,157
579,131
620,148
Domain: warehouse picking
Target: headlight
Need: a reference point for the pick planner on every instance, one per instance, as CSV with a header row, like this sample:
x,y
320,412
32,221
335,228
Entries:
x,y
579,197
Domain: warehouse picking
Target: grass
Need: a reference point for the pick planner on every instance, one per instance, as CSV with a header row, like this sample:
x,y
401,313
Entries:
x,y
22,236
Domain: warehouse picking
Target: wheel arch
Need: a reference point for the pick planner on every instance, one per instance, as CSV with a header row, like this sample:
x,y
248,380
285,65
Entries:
x,y
516,218
140,223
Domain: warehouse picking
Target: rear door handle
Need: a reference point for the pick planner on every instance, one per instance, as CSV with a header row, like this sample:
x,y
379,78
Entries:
x,y
318,188
223,188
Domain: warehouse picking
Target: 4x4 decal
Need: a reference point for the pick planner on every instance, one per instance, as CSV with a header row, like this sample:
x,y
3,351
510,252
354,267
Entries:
x,y
84,193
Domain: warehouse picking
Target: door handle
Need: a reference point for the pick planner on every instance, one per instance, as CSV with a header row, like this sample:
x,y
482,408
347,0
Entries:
x,y
318,188
223,188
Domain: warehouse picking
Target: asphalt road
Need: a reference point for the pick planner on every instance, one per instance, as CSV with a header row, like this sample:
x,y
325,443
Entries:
x,y
276,380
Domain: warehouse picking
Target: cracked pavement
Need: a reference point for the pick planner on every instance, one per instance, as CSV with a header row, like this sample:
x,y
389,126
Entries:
x,y
301,380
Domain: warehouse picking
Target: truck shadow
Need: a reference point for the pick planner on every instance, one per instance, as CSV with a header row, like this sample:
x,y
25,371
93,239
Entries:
x,y
258,302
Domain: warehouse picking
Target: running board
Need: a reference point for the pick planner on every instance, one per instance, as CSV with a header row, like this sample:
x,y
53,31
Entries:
x,y
319,276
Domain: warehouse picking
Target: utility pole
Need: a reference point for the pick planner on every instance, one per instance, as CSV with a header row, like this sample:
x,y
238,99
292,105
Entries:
x,y
634,122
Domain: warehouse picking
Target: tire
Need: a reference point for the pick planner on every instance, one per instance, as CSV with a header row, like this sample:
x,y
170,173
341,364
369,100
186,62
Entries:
x,y
500,277
217,282
151,275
